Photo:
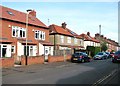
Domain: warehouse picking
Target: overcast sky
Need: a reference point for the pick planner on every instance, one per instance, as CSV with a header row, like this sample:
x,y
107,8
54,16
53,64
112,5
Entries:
x,y
80,17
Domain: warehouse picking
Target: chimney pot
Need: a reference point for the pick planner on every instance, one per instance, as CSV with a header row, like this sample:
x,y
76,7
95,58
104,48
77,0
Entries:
x,y
64,25
88,33
33,13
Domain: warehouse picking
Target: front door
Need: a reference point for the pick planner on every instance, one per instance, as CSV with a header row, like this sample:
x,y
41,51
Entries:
x,y
46,54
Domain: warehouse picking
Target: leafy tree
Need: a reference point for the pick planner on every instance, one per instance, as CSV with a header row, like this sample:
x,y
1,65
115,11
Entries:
x,y
104,46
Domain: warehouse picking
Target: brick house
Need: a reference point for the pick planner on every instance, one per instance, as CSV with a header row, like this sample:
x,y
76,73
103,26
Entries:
x,y
111,44
89,41
13,35
64,39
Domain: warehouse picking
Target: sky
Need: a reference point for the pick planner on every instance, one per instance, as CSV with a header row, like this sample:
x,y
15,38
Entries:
x,y
80,17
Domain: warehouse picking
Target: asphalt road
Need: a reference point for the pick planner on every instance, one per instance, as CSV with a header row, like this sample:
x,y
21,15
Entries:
x,y
92,73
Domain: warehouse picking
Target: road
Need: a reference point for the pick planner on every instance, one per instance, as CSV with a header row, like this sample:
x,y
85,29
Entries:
x,y
92,73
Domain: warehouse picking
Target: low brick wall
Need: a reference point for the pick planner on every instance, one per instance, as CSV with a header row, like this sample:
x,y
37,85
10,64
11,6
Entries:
x,y
7,62
58,58
33,60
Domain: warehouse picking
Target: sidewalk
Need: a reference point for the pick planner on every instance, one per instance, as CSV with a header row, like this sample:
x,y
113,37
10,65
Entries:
x,y
33,68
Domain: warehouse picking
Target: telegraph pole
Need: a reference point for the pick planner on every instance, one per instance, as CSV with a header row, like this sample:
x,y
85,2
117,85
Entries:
x,y
100,35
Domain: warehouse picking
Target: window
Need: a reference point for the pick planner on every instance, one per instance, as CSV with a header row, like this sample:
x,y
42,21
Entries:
x,y
62,39
39,35
75,40
68,39
10,13
18,32
29,50
43,35
13,33
4,51
13,49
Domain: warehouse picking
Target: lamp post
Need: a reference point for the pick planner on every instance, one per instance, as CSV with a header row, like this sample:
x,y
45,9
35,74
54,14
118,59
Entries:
x,y
29,10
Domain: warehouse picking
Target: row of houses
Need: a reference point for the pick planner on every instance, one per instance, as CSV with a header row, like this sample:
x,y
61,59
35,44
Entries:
x,y
41,40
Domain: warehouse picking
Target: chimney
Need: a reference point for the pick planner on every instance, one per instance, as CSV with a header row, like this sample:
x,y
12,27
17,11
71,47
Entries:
x,y
64,25
105,38
88,33
97,35
102,36
33,13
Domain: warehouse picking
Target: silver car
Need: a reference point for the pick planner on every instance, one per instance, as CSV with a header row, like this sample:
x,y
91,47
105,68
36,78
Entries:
x,y
100,56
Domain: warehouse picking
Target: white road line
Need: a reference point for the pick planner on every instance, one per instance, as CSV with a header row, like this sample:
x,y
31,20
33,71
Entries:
x,y
104,78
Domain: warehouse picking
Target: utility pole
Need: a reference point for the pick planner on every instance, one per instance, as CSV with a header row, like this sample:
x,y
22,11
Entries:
x,y
100,35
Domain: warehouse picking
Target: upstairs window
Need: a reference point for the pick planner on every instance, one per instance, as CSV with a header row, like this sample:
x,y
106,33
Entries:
x,y
39,35
75,40
18,32
68,39
62,39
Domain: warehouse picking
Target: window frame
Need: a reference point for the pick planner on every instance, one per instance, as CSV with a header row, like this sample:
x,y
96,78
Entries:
x,y
68,39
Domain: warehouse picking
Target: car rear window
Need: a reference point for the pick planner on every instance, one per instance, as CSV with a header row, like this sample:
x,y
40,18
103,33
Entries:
x,y
77,53
100,53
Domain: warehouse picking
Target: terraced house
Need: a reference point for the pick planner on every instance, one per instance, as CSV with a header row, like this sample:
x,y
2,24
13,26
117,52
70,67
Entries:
x,y
111,44
64,39
13,36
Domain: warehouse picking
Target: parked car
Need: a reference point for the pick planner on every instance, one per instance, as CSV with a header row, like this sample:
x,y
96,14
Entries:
x,y
100,56
80,57
116,57
108,54
111,54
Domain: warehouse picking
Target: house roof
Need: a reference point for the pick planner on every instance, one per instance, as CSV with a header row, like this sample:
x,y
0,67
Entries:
x,y
11,14
88,38
59,30
74,34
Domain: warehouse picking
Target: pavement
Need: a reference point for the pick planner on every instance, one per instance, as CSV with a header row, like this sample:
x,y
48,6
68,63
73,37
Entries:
x,y
32,68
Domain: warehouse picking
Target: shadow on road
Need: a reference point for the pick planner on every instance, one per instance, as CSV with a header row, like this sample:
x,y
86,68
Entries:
x,y
92,76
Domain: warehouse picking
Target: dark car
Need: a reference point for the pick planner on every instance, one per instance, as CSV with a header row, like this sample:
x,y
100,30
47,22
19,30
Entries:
x,y
111,54
100,56
80,57
116,57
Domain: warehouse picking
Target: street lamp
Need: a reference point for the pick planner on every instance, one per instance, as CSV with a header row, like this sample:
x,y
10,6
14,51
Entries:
x,y
29,10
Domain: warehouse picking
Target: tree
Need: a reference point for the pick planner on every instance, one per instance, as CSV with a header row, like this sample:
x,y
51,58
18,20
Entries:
x,y
104,46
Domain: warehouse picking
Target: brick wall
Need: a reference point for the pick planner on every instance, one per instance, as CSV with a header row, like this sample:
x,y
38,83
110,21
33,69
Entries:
x,y
33,60
7,62
58,58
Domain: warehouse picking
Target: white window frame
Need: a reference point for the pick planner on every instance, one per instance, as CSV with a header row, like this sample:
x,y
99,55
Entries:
x,y
62,39
75,40
17,32
31,48
68,39
4,46
41,35
13,29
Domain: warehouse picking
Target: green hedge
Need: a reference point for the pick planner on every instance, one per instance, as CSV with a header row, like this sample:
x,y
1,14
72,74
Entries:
x,y
93,50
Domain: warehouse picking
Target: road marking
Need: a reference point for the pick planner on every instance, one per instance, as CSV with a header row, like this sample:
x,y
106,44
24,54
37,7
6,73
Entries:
x,y
104,78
